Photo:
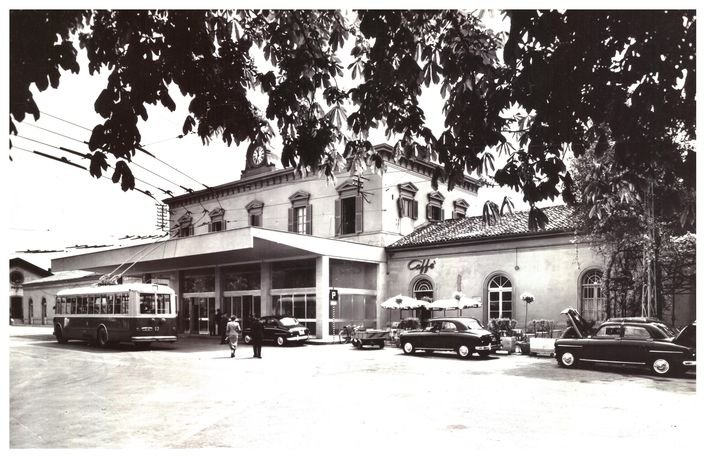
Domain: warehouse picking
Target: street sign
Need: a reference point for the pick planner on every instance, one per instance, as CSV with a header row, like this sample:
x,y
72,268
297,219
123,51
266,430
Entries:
x,y
333,295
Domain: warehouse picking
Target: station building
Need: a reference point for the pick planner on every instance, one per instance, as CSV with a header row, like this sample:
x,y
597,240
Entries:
x,y
274,242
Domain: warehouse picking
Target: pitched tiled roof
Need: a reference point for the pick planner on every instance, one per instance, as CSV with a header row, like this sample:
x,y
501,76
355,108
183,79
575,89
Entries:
x,y
560,219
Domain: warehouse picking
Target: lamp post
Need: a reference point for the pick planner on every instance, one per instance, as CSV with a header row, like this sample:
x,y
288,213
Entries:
x,y
528,298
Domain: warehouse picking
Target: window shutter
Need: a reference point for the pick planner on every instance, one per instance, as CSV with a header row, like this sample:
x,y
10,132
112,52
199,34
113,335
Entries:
x,y
429,213
309,219
358,214
414,209
400,207
443,214
337,217
291,220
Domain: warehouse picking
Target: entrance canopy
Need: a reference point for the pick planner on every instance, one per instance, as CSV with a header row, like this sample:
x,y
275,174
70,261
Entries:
x,y
248,244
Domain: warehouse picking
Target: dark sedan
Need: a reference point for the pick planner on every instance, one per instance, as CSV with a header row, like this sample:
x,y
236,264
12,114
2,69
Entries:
x,y
464,336
280,330
635,341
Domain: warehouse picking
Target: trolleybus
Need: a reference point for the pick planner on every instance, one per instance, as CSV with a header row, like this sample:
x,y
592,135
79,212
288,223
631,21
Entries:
x,y
140,313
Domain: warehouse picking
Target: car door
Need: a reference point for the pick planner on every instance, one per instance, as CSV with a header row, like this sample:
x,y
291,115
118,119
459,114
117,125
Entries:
x,y
604,345
448,335
271,326
634,347
431,336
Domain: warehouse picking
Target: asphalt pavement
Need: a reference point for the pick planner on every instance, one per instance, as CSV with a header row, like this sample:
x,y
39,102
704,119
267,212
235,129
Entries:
x,y
191,395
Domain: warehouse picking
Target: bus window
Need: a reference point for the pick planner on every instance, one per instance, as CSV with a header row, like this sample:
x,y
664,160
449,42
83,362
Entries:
x,y
109,299
121,303
146,303
82,305
163,303
101,305
91,305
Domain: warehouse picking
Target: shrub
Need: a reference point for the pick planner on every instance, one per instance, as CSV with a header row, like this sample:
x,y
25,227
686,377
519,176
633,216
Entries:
x,y
502,327
541,328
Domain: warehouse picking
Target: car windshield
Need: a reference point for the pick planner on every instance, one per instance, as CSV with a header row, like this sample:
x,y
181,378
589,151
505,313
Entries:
x,y
470,323
288,321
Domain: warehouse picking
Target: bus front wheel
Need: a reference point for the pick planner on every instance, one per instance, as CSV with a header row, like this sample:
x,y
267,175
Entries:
x,y
102,337
60,335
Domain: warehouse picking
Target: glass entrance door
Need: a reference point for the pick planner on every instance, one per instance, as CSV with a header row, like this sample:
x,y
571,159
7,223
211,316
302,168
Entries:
x,y
202,316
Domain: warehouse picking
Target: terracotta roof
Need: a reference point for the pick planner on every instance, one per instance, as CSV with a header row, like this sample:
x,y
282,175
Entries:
x,y
560,219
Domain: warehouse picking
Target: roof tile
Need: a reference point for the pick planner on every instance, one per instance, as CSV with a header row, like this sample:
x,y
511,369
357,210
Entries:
x,y
560,219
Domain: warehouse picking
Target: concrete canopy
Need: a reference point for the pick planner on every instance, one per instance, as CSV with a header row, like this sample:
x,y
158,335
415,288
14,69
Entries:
x,y
243,245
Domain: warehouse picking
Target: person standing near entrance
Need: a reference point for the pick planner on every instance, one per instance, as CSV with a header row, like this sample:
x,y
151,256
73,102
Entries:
x,y
232,330
257,336
223,320
216,324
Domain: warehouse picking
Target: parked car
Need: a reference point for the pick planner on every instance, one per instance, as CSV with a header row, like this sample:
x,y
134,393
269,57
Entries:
x,y
280,330
633,341
462,335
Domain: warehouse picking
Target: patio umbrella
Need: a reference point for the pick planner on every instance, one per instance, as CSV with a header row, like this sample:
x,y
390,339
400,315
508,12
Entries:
x,y
400,302
457,302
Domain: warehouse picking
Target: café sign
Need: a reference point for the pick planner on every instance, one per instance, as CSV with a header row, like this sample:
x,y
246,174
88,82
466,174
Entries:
x,y
422,265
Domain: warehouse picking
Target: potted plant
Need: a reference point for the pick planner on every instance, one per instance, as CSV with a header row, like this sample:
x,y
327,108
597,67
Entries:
x,y
542,341
503,330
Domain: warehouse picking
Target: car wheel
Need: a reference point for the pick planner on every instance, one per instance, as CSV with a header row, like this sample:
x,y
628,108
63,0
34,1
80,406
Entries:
x,y
484,354
102,337
357,343
381,344
247,339
280,341
568,359
60,335
464,351
408,348
661,366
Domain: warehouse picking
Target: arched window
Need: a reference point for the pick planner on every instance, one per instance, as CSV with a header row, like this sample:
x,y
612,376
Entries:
x,y
499,297
423,289
592,300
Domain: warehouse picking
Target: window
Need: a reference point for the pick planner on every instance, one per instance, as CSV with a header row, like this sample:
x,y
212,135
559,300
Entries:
x,y
610,332
460,208
185,225
146,303
348,209
423,290
592,304
636,333
300,213
407,205
434,209
499,292
217,223
449,326
254,213
163,303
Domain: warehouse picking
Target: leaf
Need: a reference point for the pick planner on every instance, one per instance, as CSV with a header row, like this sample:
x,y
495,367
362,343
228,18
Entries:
x,y
189,124
123,174
98,163
537,219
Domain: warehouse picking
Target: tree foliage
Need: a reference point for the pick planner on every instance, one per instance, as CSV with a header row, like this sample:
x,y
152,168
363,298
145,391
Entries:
x,y
620,77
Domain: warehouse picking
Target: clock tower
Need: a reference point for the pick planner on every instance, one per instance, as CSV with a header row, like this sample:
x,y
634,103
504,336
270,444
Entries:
x,y
256,161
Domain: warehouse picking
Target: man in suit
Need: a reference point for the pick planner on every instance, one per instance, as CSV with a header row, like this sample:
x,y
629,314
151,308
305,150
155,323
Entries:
x,y
257,336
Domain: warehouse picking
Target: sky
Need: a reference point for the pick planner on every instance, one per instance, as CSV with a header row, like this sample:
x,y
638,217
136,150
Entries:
x,y
51,206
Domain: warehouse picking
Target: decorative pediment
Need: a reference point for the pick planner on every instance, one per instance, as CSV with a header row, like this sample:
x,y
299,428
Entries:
x,y
408,188
300,196
216,213
255,204
347,186
436,196
185,219
461,203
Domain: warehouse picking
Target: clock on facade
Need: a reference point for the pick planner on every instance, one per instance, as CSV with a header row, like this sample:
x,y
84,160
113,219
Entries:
x,y
256,156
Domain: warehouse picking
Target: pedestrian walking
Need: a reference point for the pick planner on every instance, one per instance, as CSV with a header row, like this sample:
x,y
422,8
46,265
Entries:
x,y
232,330
223,320
257,336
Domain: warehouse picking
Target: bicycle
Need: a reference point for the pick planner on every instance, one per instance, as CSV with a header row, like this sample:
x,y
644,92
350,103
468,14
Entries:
x,y
347,334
